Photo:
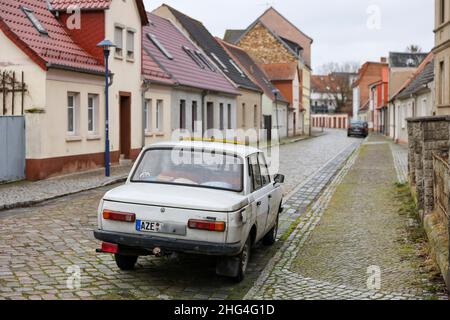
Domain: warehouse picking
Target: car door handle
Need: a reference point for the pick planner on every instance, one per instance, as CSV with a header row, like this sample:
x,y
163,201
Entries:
x,y
259,203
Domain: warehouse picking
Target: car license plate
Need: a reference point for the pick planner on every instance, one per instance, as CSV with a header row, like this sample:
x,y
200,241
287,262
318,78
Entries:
x,y
148,226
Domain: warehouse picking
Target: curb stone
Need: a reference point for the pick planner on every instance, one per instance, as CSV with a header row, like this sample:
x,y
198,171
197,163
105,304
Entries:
x,y
26,204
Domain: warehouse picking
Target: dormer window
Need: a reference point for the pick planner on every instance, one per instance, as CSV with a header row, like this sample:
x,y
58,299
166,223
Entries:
x,y
205,60
160,46
222,65
192,55
237,68
34,20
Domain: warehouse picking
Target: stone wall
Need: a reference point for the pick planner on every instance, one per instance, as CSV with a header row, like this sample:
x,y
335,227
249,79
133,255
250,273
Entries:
x,y
429,145
264,47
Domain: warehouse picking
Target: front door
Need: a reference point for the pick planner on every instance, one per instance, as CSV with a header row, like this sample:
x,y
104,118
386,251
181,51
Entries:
x,y
125,125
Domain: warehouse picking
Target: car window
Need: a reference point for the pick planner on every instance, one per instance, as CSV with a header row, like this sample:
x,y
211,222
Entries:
x,y
255,173
190,167
265,176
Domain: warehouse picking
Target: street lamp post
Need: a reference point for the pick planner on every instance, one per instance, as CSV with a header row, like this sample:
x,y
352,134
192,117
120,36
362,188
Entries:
x,y
276,92
107,45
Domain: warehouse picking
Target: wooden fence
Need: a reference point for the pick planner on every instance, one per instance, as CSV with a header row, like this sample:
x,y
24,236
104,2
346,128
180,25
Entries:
x,y
12,93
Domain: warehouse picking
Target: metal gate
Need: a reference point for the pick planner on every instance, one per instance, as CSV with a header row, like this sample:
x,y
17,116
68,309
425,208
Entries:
x,y
12,148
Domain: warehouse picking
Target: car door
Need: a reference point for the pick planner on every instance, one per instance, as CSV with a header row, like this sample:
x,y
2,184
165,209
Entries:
x,y
260,204
274,195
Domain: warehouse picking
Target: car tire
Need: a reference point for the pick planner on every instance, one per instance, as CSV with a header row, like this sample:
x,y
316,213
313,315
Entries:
x,y
125,263
271,237
244,258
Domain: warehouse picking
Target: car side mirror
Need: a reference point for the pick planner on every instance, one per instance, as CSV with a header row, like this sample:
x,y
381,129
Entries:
x,y
279,178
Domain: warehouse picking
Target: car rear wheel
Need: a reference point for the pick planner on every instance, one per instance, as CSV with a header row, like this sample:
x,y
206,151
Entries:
x,y
244,258
125,263
271,237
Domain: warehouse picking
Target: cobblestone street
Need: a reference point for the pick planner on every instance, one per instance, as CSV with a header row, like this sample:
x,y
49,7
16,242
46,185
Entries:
x,y
42,247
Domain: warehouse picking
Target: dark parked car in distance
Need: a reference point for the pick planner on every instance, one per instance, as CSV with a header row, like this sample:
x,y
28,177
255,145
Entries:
x,y
358,128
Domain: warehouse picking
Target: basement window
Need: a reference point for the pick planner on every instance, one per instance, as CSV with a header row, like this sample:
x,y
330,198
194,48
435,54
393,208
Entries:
x,y
159,46
35,21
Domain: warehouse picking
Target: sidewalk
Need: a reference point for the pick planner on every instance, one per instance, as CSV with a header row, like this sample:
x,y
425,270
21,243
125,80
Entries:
x,y
26,193
361,221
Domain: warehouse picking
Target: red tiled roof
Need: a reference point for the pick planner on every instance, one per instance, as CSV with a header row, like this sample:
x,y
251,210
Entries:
x,y
323,84
182,68
82,4
55,50
280,71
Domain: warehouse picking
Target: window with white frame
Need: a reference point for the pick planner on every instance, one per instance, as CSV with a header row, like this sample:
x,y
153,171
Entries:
x,y
93,113
130,44
72,113
148,115
159,116
118,40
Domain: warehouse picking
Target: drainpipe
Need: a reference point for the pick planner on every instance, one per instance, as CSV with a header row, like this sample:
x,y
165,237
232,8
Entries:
x,y
145,89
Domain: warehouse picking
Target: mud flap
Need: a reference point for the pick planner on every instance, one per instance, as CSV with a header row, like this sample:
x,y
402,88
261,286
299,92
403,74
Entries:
x,y
228,266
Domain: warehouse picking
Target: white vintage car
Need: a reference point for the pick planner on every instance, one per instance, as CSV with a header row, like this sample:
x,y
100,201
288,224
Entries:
x,y
194,197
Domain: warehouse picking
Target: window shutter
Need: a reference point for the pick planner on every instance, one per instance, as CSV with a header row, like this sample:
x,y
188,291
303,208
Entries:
x,y
130,41
118,38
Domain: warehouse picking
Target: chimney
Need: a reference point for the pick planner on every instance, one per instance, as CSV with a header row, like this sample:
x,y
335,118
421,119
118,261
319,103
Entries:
x,y
383,60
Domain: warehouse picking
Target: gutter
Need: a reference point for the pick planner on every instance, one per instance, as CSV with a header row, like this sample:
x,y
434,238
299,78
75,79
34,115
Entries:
x,y
74,69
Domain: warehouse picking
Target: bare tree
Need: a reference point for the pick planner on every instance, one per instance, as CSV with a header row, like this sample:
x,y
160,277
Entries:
x,y
414,48
339,79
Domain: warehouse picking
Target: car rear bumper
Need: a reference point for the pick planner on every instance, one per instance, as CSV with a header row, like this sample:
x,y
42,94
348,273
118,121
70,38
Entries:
x,y
148,243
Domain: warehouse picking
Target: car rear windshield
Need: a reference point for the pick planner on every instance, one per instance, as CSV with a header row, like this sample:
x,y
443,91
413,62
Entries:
x,y
357,124
188,167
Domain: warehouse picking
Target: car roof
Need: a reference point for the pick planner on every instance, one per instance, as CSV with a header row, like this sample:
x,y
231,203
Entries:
x,y
230,148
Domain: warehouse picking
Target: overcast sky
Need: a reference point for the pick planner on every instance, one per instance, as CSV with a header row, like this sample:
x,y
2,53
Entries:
x,y
343,30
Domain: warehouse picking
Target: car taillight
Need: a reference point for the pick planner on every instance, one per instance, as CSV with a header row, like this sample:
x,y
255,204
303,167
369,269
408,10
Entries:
x,y
110,247
119,216
207,225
